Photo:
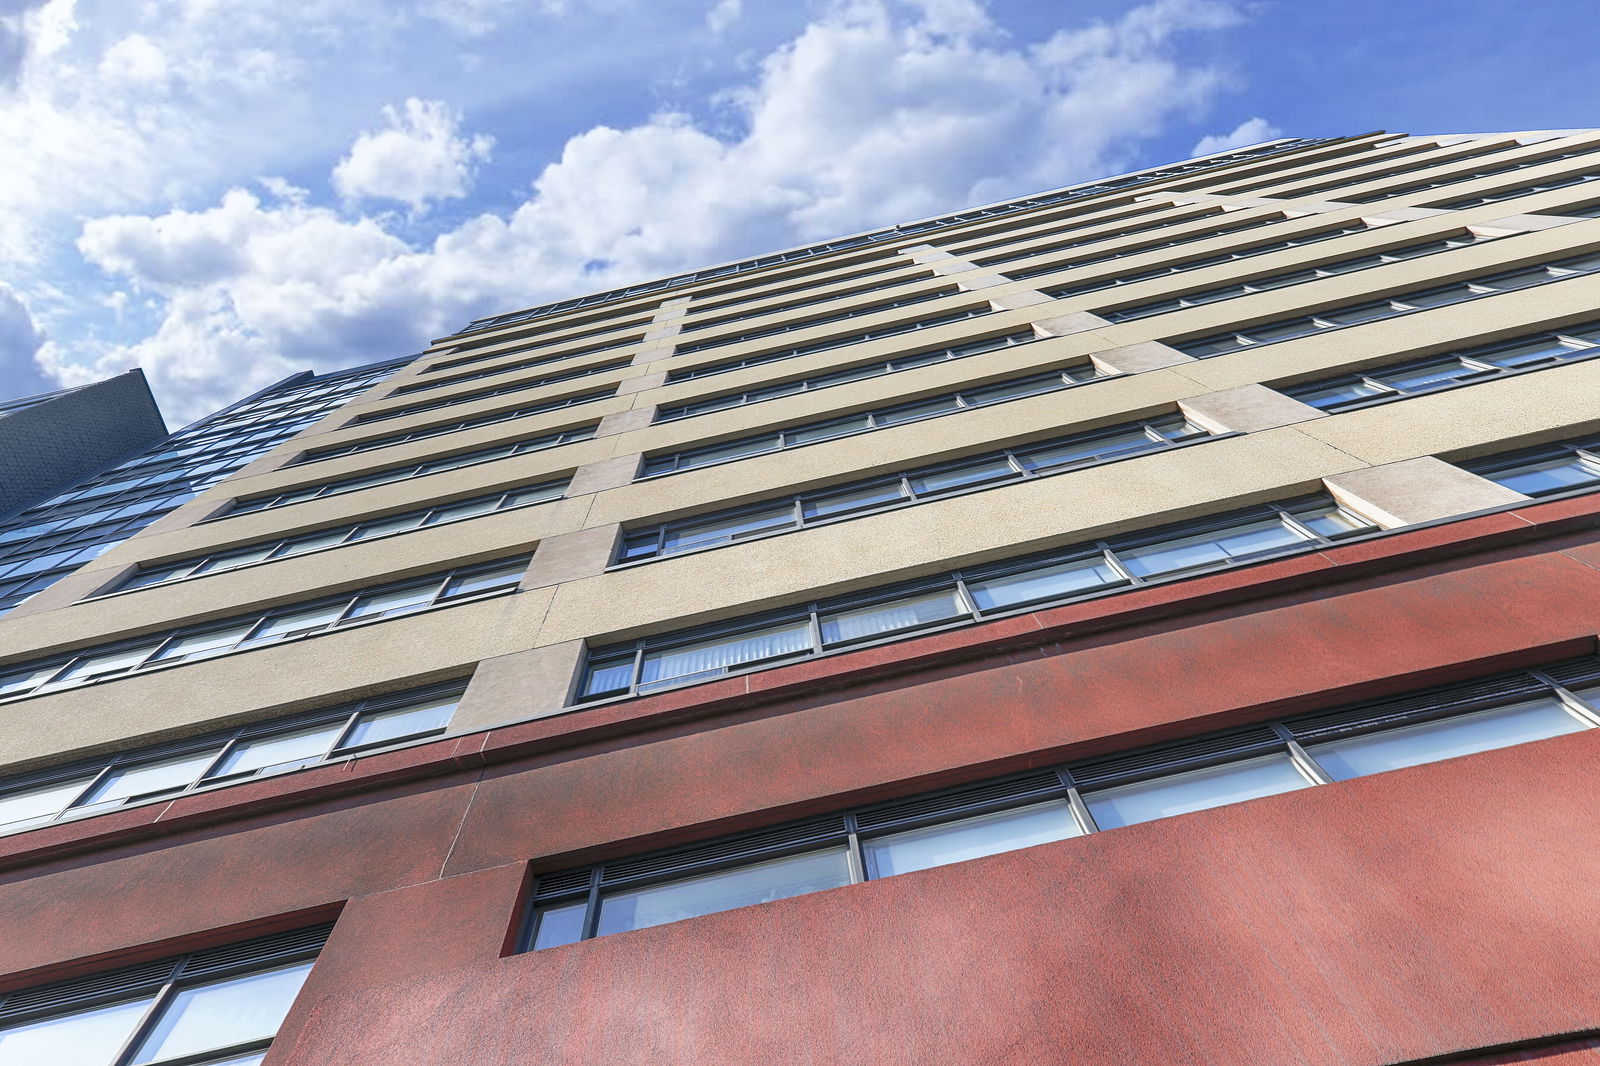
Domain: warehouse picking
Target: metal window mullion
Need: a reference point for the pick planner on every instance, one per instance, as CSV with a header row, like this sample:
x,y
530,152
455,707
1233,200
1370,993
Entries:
x,y
964,595
814,628
147,1022
855,857
1075,804
591,913
1289,519
1300,757
638,668
1116,564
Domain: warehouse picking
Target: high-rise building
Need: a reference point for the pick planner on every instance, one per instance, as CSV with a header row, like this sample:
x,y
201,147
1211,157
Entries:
x,y
1150,622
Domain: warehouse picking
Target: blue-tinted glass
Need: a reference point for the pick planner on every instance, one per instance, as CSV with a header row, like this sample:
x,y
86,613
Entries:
x,y
559,925
725,890
1444,738
1194,790
969,838
1046,582
1548,475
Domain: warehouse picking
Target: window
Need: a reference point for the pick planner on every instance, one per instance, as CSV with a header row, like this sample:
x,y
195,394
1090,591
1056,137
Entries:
x,y
1572,466
1352,314
847,375
1116,233
892,330
300,544
1413,378
484,394
699,308
219,1007
422,386
410,470
964,597
283,623
1278,281
1191,264
494,418
1087,796
846,425
1040,459
839,316
167,771
1517,191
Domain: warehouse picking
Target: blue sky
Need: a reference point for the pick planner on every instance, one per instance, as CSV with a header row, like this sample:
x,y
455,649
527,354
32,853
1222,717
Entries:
x,y
226,191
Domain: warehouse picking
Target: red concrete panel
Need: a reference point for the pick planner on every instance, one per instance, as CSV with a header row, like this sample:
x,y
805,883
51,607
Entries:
x,y
206,880
1115,689
1394,918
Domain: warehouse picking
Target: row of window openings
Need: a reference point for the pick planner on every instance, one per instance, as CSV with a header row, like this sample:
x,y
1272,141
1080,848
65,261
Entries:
x,y
966,250
1041,459
1300,276
226,759
1427,161
1456,179
867,239
1518,191
1189,264
1058,265
337,536
822,320
1074,800
204,641
892,329
410,470
843,377
868,421
492,418
467,353
1220,215
220,1007
1388,307
1470,366
1546,470
526,364
484,394
965,597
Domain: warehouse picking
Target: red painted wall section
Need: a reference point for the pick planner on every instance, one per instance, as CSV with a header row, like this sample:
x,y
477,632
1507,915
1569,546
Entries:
x,y
1410,914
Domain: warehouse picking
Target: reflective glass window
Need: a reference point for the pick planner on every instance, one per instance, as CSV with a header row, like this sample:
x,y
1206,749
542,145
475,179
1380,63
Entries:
x,y
149,778
559,925
1444,738
396,723
41,801
1548,475
1194,790
1044,582
724,890
1206,549
906,612
222,1014
969,838
720,654
278,750
84,1038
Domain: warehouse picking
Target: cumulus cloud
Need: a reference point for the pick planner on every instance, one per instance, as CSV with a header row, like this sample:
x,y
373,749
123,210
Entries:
x,y
724,13
1250,131
418,158
20,342
878,111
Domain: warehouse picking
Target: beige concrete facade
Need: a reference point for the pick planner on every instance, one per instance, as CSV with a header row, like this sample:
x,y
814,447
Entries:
x,y
523,650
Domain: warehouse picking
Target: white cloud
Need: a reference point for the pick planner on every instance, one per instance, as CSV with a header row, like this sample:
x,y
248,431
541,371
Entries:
x,y
878,111
724,13
1250,131
20,341
418,158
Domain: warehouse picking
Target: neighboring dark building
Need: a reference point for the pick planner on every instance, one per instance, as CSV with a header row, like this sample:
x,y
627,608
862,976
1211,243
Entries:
x,y
1151,622
53,439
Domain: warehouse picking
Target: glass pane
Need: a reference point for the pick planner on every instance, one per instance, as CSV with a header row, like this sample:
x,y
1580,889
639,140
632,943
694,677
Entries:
x,y
730,527
1333,395
837,503
719,654
27,678
504,576
1444,739
1364,313
725,890
611,675
536,494
87,1038
1089,450
232,559
1045,583
1328,520
300,747
163,775
970,838
974,473
304,620
142,578
1012,390
208,642
559,925
224,1013
387,525
380,727
394,601
110,662
1521,279
1204,549
942,405
732,450
312,541
908,612
41,801
1439,297
1527,352
1546,476
1213,346
1194,790
1280,331
1421,377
